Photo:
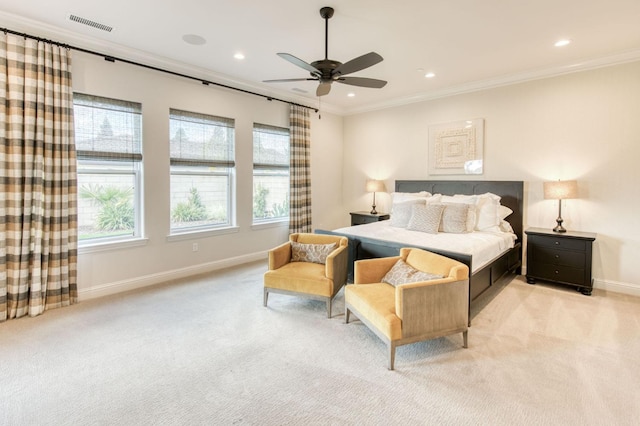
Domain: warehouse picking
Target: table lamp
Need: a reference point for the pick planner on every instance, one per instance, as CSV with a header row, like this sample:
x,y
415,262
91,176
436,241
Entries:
x,y
560,190
375,186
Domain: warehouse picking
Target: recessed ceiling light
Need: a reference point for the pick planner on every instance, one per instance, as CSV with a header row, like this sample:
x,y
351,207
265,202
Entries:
x,y
239,56
194,39
429,75
351,95
562,42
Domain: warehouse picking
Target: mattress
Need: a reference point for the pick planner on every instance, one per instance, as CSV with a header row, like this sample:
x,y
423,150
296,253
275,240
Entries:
x,y
482,246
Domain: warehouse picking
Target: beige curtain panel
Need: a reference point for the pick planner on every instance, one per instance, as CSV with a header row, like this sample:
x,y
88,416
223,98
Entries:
x,y
38,217
300,170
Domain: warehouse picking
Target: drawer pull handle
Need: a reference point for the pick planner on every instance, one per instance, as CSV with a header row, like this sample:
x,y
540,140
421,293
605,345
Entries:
x,y
557,243
557,272
557,256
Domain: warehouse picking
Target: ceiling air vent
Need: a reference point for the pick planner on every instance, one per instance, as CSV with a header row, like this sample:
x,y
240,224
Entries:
x,y
90,23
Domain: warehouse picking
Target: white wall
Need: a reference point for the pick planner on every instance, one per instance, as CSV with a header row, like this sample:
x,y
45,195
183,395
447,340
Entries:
x,y
108,271
583,126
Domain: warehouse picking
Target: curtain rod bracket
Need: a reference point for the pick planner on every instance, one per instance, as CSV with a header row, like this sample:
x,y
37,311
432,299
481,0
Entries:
x,y
109,59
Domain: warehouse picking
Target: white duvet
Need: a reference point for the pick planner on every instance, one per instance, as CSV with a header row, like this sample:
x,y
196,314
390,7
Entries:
x,y
482,246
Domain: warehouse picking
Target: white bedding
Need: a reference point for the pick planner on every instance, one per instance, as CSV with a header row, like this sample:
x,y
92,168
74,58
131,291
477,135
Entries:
x,y
483,246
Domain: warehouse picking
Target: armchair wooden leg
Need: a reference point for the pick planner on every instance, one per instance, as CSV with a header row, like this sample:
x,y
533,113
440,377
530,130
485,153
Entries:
x,y
266,296
346,315
392,354
464,339
329,308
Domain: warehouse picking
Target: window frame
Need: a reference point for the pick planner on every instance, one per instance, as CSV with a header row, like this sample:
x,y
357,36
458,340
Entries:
x,y
176,163
93,162
266,166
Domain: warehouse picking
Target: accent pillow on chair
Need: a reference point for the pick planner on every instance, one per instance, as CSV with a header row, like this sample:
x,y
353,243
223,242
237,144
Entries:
x,y
308,265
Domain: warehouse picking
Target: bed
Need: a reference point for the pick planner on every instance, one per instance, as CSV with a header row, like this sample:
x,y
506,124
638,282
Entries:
x,y
485,273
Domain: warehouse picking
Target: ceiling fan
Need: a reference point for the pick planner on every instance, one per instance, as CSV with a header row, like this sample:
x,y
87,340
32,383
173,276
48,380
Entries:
x,y
326,71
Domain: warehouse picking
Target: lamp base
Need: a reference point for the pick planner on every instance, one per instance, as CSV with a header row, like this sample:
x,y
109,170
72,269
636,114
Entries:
x,y
373,210
559,227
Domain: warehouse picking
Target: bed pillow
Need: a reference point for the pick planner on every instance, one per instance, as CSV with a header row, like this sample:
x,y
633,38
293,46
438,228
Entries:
x,y
400,197
469,200
312,253
403,273
401,212
425,218
454,218
503,212
487,211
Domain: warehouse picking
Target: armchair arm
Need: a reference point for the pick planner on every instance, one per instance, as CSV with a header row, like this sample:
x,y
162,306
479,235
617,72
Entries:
x,y
336,265
433,306
370,271
279,256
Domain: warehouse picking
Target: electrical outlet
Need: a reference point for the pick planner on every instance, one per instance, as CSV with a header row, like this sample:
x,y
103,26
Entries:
x,y
194,247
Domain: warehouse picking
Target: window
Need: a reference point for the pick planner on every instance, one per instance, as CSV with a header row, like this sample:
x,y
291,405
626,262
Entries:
x,y
202,167
270,173
108,136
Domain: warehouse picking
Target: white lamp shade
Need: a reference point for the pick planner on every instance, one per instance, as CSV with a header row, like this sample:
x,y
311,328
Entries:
x,y
560,190
375,186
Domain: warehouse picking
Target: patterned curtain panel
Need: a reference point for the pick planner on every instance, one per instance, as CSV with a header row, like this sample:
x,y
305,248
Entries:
x,y
38,218
300,170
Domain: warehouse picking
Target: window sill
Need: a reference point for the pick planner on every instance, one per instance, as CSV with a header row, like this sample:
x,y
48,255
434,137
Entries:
x,y
272,224
111,245
202,233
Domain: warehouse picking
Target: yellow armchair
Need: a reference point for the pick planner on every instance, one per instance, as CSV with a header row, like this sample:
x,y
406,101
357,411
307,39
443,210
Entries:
x,y
409,313
312,280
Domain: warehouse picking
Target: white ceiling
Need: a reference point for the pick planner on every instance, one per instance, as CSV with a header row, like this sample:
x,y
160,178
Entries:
x,y
469,44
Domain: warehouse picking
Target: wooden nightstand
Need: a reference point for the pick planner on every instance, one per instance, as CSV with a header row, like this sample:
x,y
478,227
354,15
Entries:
x,y
359,218
563,258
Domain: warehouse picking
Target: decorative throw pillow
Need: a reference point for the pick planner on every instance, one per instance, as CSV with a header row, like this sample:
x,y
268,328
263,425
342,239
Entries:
x,y
402,273
313,253
425,218
401,212
454,218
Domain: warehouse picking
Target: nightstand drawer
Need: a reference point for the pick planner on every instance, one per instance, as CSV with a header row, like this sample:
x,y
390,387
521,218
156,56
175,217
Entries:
x,y
545,271
360,220
545,254
558,242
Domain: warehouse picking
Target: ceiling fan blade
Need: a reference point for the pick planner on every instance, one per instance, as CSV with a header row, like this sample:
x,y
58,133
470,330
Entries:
x,y
359,63
362,82
299,62
323,88
284,80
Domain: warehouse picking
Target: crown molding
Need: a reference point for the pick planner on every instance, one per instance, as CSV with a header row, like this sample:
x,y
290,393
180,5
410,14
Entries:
x,y
506,80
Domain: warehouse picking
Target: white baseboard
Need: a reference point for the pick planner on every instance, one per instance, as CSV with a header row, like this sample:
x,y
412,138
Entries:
x,y
617,287
147,280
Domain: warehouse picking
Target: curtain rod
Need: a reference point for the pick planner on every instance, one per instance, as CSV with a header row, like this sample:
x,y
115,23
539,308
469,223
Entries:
x,y
110,58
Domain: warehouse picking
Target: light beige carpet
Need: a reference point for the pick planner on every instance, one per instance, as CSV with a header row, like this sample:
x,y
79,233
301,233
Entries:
x,y
205,351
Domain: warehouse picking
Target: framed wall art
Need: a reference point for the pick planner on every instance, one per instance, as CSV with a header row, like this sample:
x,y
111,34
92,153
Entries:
x,y
456,148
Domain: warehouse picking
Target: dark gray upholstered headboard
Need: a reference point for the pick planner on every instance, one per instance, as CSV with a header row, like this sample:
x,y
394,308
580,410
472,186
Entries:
x,y
511,193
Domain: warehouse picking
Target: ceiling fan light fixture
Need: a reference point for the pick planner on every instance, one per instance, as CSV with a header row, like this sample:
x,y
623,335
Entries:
x,y
326,70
